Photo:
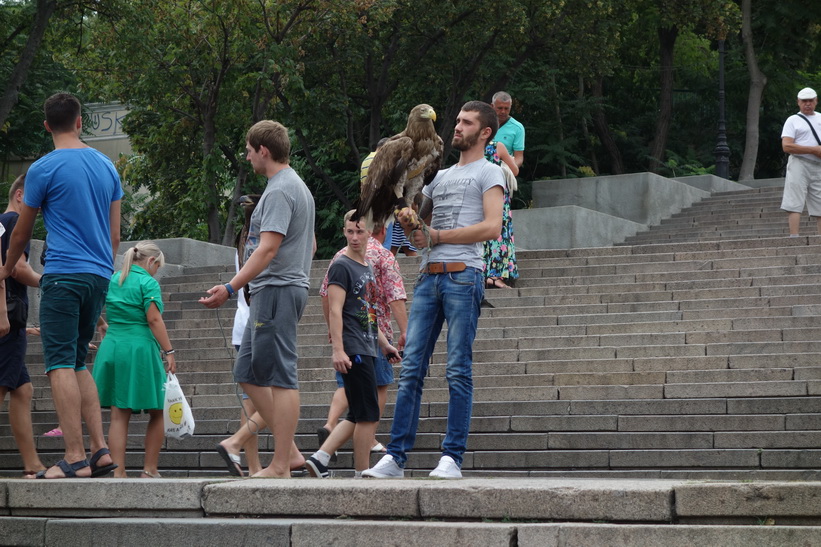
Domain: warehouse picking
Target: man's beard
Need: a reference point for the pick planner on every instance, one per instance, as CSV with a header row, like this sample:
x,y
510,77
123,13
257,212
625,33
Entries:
x,y
466,142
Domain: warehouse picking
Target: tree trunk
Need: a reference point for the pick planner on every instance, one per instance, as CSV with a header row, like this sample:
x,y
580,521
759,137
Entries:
x,y
45,8
667,43
603,128
588,143
757,83
209,139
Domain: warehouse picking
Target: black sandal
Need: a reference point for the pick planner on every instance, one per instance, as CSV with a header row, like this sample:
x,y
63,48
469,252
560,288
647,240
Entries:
x,y
99,471
68,469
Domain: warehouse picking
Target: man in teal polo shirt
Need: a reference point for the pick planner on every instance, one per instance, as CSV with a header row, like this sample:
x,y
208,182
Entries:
x,y
511,133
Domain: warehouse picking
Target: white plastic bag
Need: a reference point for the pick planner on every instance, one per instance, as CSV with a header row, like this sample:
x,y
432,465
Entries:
x,y
177,415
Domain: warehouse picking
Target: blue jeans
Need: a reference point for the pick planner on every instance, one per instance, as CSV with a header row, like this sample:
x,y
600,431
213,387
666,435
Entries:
x,y
455,298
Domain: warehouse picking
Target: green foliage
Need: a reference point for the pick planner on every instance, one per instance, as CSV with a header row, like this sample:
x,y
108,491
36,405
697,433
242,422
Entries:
x,y
343,73
678,166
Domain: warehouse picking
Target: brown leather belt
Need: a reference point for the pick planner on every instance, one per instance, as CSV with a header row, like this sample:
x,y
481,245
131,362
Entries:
x,y
443,267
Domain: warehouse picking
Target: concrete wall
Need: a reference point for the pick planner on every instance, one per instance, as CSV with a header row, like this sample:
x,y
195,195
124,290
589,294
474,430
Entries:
x,y
569,227
763,183
712,183
179,253
645,198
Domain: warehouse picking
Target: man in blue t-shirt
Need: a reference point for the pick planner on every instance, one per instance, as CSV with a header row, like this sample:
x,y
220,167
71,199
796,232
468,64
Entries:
x,y
78,191
511,133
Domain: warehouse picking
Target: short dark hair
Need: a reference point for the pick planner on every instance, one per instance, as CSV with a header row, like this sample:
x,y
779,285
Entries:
x,y
487,116
18,184
61,110
273,136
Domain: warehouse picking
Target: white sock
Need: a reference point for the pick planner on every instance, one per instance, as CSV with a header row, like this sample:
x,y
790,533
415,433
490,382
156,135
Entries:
x,y
323,457
357,474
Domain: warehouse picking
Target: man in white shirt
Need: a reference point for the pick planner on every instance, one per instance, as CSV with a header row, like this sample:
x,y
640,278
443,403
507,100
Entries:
x,y
801,139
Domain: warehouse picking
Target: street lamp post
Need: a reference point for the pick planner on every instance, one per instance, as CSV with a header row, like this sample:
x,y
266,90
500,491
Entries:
x,y
722,150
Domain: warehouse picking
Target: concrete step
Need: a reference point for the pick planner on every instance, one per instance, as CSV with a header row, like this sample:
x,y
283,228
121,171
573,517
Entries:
x,y
524,511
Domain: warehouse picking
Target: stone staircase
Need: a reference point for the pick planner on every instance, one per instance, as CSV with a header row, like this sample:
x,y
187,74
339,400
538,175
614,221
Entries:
x,y
672,359
688,353
749,214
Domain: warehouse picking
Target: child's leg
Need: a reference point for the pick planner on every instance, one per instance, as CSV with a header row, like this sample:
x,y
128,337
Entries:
x,y
118,437
363,435
154,437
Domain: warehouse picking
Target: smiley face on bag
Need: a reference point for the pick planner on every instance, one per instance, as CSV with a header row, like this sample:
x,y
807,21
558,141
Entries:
x,y
175,413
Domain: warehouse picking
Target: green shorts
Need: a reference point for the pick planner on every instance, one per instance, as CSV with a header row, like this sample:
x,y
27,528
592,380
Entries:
x,y
70,305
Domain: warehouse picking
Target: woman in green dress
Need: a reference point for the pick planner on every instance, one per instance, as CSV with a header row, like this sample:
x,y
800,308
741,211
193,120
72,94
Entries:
x,y
129,369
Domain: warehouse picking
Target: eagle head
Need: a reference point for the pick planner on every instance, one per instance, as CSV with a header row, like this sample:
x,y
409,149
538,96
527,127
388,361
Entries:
x,y
422,112
420,123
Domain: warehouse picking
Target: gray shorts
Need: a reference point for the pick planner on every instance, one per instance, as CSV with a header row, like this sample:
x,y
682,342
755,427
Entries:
x,y
802,184
267,356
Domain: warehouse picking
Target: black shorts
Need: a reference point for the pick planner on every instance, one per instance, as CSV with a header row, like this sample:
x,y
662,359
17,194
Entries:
x,y
360,389
13,371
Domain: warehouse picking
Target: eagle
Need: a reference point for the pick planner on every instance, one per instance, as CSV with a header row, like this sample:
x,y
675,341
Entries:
x,y
402,166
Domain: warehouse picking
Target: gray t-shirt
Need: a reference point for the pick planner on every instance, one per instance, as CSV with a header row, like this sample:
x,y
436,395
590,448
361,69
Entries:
x,y
457,194
286,207
359,331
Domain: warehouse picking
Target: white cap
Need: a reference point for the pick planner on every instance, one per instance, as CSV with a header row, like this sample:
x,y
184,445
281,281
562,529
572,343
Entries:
x,y
807,93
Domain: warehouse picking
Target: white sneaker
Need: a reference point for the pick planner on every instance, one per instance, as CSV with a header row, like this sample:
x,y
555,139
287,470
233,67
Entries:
x,y
447,469
386,468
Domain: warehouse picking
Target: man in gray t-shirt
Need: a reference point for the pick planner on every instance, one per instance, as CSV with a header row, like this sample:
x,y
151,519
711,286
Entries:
x,y
463,206
280,247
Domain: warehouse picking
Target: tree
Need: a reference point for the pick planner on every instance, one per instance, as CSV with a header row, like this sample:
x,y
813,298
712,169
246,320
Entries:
x,y
757,83
711,18
42,13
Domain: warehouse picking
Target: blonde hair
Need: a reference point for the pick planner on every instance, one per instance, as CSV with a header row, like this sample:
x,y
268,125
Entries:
x,y
139,252
375,227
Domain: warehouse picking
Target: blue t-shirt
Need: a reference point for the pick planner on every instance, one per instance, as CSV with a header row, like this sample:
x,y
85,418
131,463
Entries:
x,y
512,135
74,188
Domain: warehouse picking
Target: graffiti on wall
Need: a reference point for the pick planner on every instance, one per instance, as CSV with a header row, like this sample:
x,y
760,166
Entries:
x,y
105,121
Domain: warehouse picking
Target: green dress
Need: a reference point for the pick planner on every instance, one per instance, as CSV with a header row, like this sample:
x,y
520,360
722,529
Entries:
x,y
128,369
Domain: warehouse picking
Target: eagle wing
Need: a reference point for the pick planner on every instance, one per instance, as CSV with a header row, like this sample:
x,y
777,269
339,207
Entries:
x,y
424,166
385,179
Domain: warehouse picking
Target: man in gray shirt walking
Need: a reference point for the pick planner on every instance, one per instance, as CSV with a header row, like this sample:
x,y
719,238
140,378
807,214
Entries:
x,y
276,268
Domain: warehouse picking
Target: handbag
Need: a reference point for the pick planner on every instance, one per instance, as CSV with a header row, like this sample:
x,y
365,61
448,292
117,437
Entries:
x,y
177,416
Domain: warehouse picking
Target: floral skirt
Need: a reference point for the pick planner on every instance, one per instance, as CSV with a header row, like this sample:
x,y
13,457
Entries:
x,y
500,254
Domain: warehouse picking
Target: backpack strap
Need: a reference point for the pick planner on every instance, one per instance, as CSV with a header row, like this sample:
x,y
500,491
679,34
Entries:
x,y
812,128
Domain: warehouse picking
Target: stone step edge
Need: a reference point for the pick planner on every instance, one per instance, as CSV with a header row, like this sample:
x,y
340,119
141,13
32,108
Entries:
x,y
661,501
